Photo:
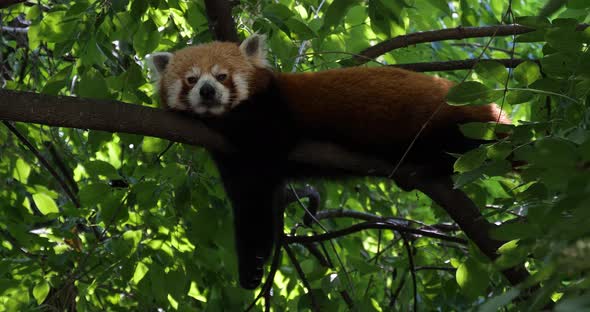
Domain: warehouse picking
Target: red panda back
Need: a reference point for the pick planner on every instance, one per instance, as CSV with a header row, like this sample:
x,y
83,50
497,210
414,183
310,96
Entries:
x,y
375,105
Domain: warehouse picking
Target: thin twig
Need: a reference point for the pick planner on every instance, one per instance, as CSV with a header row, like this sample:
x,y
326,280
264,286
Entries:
x,y
170,144
399,288
61,165
370,225
43,162
411,269
437,268
306,284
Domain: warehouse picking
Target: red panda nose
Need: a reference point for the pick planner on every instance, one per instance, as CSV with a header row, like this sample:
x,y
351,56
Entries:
x,y
207,92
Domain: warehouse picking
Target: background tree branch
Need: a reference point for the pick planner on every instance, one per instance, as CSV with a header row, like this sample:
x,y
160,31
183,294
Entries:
x,y
440,35
221,22
458,65
7,3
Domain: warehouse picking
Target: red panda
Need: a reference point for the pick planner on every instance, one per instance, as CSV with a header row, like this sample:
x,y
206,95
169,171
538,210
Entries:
x,y
265,114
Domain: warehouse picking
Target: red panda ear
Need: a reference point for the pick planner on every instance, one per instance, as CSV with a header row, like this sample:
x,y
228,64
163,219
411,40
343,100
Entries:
x,y
254,48
158,61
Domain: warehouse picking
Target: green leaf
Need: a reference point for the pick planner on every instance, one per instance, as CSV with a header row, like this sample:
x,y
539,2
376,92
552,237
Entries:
x,y
21,171
479,130
578,4
491,70
302,31
381,17
470,160
527,73
45,203
336,12
565,39
573,304
472,93
153,145
58,81
278,14
519,96
147,38
92,194
93,85
140,271
101,168
56,27
277,11
513,231
472,278
40,291
496,303
441,5
538,22
92,53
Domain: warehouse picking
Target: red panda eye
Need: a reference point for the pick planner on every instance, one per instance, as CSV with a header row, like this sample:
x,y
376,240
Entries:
x,y
221,77
191,80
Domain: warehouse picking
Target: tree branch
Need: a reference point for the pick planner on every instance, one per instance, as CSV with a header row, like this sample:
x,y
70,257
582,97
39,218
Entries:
x,y
314,302
221,23
458,65
370,225
440,35
111,116
7,3
412,269
14,30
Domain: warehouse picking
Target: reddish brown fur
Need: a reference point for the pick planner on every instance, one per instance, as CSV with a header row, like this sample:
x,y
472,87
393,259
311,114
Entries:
x,y
376,105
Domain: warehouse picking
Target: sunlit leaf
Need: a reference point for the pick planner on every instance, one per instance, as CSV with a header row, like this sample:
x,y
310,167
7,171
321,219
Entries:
x,y
472,278
527,73
40,291
45,203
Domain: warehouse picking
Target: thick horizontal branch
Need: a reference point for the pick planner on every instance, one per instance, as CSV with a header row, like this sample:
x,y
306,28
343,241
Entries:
x,y
111,116
7,3
440,35
371,225
457,65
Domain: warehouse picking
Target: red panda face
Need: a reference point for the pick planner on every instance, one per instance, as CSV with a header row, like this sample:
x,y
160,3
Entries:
x,y
209,79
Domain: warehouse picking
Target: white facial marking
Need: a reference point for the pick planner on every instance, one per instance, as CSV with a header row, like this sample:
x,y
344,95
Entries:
x,y
194,72
173,94
215,69
241,89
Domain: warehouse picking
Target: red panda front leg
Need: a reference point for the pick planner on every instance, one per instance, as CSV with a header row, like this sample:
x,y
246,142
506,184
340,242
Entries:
x,y
255,190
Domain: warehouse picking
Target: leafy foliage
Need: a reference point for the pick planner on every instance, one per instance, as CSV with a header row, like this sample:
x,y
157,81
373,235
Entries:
x,y
153,227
